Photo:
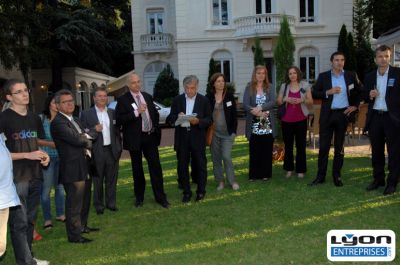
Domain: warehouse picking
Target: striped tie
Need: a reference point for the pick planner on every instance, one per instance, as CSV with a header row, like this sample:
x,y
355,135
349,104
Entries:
x,y
145,119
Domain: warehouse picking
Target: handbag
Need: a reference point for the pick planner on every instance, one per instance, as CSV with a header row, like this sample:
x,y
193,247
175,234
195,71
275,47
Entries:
x,y
210,133
282,107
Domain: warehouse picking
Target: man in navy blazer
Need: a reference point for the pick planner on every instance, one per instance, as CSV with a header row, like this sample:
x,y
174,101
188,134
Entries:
x,y
340,93
382,92
101,125
137,115
190,137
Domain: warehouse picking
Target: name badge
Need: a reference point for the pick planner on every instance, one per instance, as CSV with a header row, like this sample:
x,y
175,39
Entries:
x,y
229,103
134,106
391,82
351,86
114,122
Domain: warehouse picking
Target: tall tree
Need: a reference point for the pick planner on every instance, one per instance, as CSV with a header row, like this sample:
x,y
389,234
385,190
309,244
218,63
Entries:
x,y
16,19
351,61
283,52
362,32
166,86
212,69
342,41
258,53
385,15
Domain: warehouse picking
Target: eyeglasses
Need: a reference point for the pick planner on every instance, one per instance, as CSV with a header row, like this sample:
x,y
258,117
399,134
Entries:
x,y
67,101
21,91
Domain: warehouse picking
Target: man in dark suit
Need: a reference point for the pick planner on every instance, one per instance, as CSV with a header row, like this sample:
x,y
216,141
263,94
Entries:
x,y
72,146
340,94
382,92
106,150
190,137
137,115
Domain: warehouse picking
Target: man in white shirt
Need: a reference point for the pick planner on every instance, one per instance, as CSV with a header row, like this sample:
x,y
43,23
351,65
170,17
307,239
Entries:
x,y
101,125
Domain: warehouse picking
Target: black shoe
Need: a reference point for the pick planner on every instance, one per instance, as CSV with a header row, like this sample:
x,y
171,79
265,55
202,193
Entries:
x,y
88,229
165,204
375,185
200,197
186,198
338,182
138,203
100,211
317,181
113,209
389,190
82,240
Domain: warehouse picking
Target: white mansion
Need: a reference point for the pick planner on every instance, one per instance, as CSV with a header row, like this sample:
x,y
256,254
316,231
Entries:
x,y
186,33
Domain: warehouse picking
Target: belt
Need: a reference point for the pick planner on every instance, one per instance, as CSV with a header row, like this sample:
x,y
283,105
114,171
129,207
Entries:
x,y
106,146
147,133
380,112
341,110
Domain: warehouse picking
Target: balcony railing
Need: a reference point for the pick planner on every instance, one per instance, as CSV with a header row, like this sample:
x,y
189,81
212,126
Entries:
x,y
162,42
263,24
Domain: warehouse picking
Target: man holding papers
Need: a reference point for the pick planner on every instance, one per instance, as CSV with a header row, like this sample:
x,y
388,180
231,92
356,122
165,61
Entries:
x,y
191,116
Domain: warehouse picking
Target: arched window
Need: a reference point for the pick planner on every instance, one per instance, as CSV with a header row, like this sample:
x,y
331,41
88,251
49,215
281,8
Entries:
x,y
224,63
308,58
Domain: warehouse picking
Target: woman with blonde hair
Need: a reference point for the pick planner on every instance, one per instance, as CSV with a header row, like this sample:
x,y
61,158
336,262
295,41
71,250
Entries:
x,y
259,102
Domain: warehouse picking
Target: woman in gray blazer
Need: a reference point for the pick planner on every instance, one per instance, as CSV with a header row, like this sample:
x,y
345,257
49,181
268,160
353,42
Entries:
x,y
258,102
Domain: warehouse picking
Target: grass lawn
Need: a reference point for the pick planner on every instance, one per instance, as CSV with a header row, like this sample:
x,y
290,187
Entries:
x,y
282,221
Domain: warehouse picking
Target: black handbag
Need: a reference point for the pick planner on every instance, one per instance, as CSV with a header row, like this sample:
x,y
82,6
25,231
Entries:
x,y
282,107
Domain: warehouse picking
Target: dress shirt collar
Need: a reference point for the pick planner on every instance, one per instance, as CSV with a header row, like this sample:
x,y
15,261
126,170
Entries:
x,y
384,74
335,75
99,110
70,118
187,97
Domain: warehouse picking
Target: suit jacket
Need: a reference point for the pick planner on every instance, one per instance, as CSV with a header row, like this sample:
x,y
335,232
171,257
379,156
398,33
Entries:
x,y
197,132
132,125
392,95
89,121
71,149
229,111
324,83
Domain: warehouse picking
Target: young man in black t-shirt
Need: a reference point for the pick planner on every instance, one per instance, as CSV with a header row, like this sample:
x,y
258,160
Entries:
x,y
23,131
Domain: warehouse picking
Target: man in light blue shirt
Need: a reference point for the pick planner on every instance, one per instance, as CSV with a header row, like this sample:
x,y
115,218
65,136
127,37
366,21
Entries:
x,y
8,194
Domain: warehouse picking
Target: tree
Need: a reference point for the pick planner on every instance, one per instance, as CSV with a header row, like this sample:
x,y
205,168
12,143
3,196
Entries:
x,y
166,87
385,15
351,61
258,53
212,69
342,41
362,32
16,19
283,52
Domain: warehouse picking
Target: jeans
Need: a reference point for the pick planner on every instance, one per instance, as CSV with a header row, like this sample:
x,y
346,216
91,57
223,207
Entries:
x,y
221,150
50,179
21,220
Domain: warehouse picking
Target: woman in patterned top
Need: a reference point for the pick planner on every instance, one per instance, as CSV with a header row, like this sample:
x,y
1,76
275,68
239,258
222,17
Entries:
x,y
258,102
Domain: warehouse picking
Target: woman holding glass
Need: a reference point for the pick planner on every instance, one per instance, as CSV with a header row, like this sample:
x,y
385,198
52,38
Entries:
x,y
296,94
223,107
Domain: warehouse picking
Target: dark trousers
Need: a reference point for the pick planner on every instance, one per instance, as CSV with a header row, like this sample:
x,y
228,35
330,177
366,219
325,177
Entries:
x,y
186,153
335,124
106,174
22,218
292,131
260,160
73,208
86,202
149,149
384,130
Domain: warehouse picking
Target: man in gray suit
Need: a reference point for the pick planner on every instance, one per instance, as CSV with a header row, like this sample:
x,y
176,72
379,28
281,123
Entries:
x,y
100,124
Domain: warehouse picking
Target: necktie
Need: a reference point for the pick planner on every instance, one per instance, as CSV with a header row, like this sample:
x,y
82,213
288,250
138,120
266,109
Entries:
x,y
145,119
76,125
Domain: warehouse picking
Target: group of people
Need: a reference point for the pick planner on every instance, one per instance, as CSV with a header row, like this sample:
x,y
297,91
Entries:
x,y
71,154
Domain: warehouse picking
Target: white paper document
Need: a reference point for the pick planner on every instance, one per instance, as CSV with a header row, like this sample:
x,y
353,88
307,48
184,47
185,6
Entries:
x,y
183,120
